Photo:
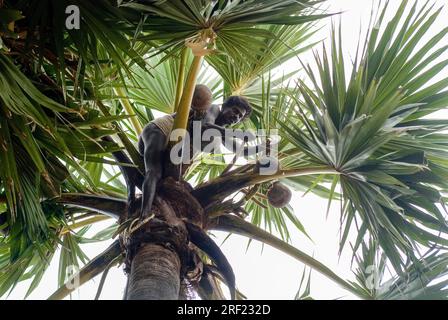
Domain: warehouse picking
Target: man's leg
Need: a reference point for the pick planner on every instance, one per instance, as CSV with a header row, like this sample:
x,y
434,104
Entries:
x,y
154,146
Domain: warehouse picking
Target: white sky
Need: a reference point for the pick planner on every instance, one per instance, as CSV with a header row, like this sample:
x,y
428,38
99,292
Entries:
x,y
263,272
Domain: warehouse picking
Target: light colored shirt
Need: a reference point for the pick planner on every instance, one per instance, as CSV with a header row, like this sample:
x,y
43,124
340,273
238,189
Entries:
x,y
165,124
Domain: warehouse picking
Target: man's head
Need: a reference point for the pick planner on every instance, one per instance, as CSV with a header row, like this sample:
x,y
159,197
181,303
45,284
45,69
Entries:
x,y
202,98
234,110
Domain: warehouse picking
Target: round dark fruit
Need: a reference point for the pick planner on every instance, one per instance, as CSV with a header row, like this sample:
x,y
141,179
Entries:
x,y
279,195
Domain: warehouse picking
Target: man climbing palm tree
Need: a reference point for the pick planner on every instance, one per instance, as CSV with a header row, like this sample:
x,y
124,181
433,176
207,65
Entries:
x,y
155,136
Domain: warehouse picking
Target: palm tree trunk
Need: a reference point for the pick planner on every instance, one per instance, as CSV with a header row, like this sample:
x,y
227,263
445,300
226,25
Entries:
x,y
155,274
158,252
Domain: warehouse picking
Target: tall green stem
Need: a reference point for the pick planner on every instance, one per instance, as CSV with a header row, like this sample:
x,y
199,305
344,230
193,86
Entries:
x,y
181,78
187,96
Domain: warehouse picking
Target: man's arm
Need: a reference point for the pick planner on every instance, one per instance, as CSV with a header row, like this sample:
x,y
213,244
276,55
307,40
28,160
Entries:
x,y
211,115
208,122
132,175
206,126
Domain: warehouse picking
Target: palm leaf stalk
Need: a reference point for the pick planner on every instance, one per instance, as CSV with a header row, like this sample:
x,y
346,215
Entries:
x,y
238,226
181,78
121,93
94,268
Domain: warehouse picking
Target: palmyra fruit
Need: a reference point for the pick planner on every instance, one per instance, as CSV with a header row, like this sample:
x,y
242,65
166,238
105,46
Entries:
x,y
279,195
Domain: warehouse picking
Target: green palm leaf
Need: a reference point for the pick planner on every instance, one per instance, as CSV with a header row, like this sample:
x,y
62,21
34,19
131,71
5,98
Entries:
x,y
360,128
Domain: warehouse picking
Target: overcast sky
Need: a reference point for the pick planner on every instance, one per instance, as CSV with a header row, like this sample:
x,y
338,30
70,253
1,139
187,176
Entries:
x,y
263,272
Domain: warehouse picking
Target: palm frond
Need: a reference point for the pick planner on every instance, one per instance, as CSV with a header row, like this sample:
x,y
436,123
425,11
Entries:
x,y
169,23
360,127
422,279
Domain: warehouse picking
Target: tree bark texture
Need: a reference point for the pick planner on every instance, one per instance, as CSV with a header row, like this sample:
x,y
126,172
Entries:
x,y
155,274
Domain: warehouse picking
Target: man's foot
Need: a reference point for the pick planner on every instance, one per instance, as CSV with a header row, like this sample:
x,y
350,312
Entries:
x,y
145,212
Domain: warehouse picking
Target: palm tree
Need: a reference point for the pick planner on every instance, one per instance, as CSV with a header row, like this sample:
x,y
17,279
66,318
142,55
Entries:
x,y
71,98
